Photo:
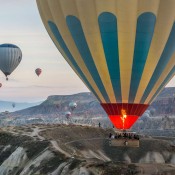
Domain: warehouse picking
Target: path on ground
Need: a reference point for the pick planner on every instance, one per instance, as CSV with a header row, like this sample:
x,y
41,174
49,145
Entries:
x,y
36,131
99,138
56,146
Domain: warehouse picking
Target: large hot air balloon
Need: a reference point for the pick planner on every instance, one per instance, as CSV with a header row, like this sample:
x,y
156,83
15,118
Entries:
x,y
124,51
10,57
38,71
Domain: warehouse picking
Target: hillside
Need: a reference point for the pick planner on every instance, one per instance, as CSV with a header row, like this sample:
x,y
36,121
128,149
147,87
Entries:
x,y
158,119
56,106
78,150
87,104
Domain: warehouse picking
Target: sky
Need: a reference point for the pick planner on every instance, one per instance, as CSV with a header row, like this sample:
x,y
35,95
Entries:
x,y
21,25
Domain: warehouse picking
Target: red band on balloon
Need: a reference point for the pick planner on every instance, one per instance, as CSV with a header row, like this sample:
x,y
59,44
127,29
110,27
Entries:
x,y
131,109
124,115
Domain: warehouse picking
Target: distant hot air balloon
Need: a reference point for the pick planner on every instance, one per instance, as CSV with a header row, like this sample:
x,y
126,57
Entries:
x,y
67,114
72,105
38,71
10,57
13,105
0,85
124,51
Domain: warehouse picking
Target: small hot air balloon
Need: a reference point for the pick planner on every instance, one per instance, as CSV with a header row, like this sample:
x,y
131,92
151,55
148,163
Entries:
x,y
13,105
67,114
72,105
10,57
38,71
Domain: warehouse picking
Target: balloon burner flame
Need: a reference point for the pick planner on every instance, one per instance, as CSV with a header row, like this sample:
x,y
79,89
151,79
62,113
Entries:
x,y
123,117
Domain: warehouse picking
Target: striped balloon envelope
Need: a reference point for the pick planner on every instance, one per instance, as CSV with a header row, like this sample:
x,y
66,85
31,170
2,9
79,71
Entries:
x,y
123,50
10,57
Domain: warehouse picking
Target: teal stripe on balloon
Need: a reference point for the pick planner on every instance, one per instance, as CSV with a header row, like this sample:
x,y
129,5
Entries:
x,y
163,61
108,29
61,42
78,36
144,33
169,76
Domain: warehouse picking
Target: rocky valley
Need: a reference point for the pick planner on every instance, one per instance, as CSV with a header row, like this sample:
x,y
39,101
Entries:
x,y
80,150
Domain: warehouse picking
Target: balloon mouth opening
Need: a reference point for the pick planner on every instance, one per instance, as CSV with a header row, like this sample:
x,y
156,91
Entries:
x,y
7,78
6,74
123,122
124,115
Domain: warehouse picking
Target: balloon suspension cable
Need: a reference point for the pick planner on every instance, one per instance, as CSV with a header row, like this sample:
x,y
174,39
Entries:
x,y
123,117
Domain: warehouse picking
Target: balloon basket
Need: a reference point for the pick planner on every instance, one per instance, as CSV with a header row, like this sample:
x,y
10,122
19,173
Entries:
x,y
124,138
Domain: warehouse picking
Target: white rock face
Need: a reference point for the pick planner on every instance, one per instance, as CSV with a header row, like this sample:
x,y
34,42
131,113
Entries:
x,y
59,169
46,155
6,148
172,161
152,157
127,158
166,155
83,171
65,169
16,160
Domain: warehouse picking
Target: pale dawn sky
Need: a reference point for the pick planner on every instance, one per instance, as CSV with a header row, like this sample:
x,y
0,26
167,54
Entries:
x,y
21,25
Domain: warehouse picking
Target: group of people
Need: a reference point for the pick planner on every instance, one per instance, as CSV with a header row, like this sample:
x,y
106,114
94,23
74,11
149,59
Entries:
x,y
124,135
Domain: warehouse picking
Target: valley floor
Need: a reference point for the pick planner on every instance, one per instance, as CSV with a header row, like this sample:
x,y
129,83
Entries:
x,y
79,150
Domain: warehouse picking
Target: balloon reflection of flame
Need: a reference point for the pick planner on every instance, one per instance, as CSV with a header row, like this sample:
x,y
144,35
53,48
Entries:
x,y
123,117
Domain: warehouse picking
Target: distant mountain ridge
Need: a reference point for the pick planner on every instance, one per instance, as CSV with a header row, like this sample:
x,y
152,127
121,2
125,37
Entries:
x,y
167,92
7,105
57,105
164,104
159,116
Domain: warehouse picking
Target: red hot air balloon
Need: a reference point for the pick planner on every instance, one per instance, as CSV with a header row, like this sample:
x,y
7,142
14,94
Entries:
x,y
38,71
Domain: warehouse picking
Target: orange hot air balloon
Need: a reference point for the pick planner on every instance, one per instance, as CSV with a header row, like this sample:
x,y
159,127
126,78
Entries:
x,y
38,71
124,51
